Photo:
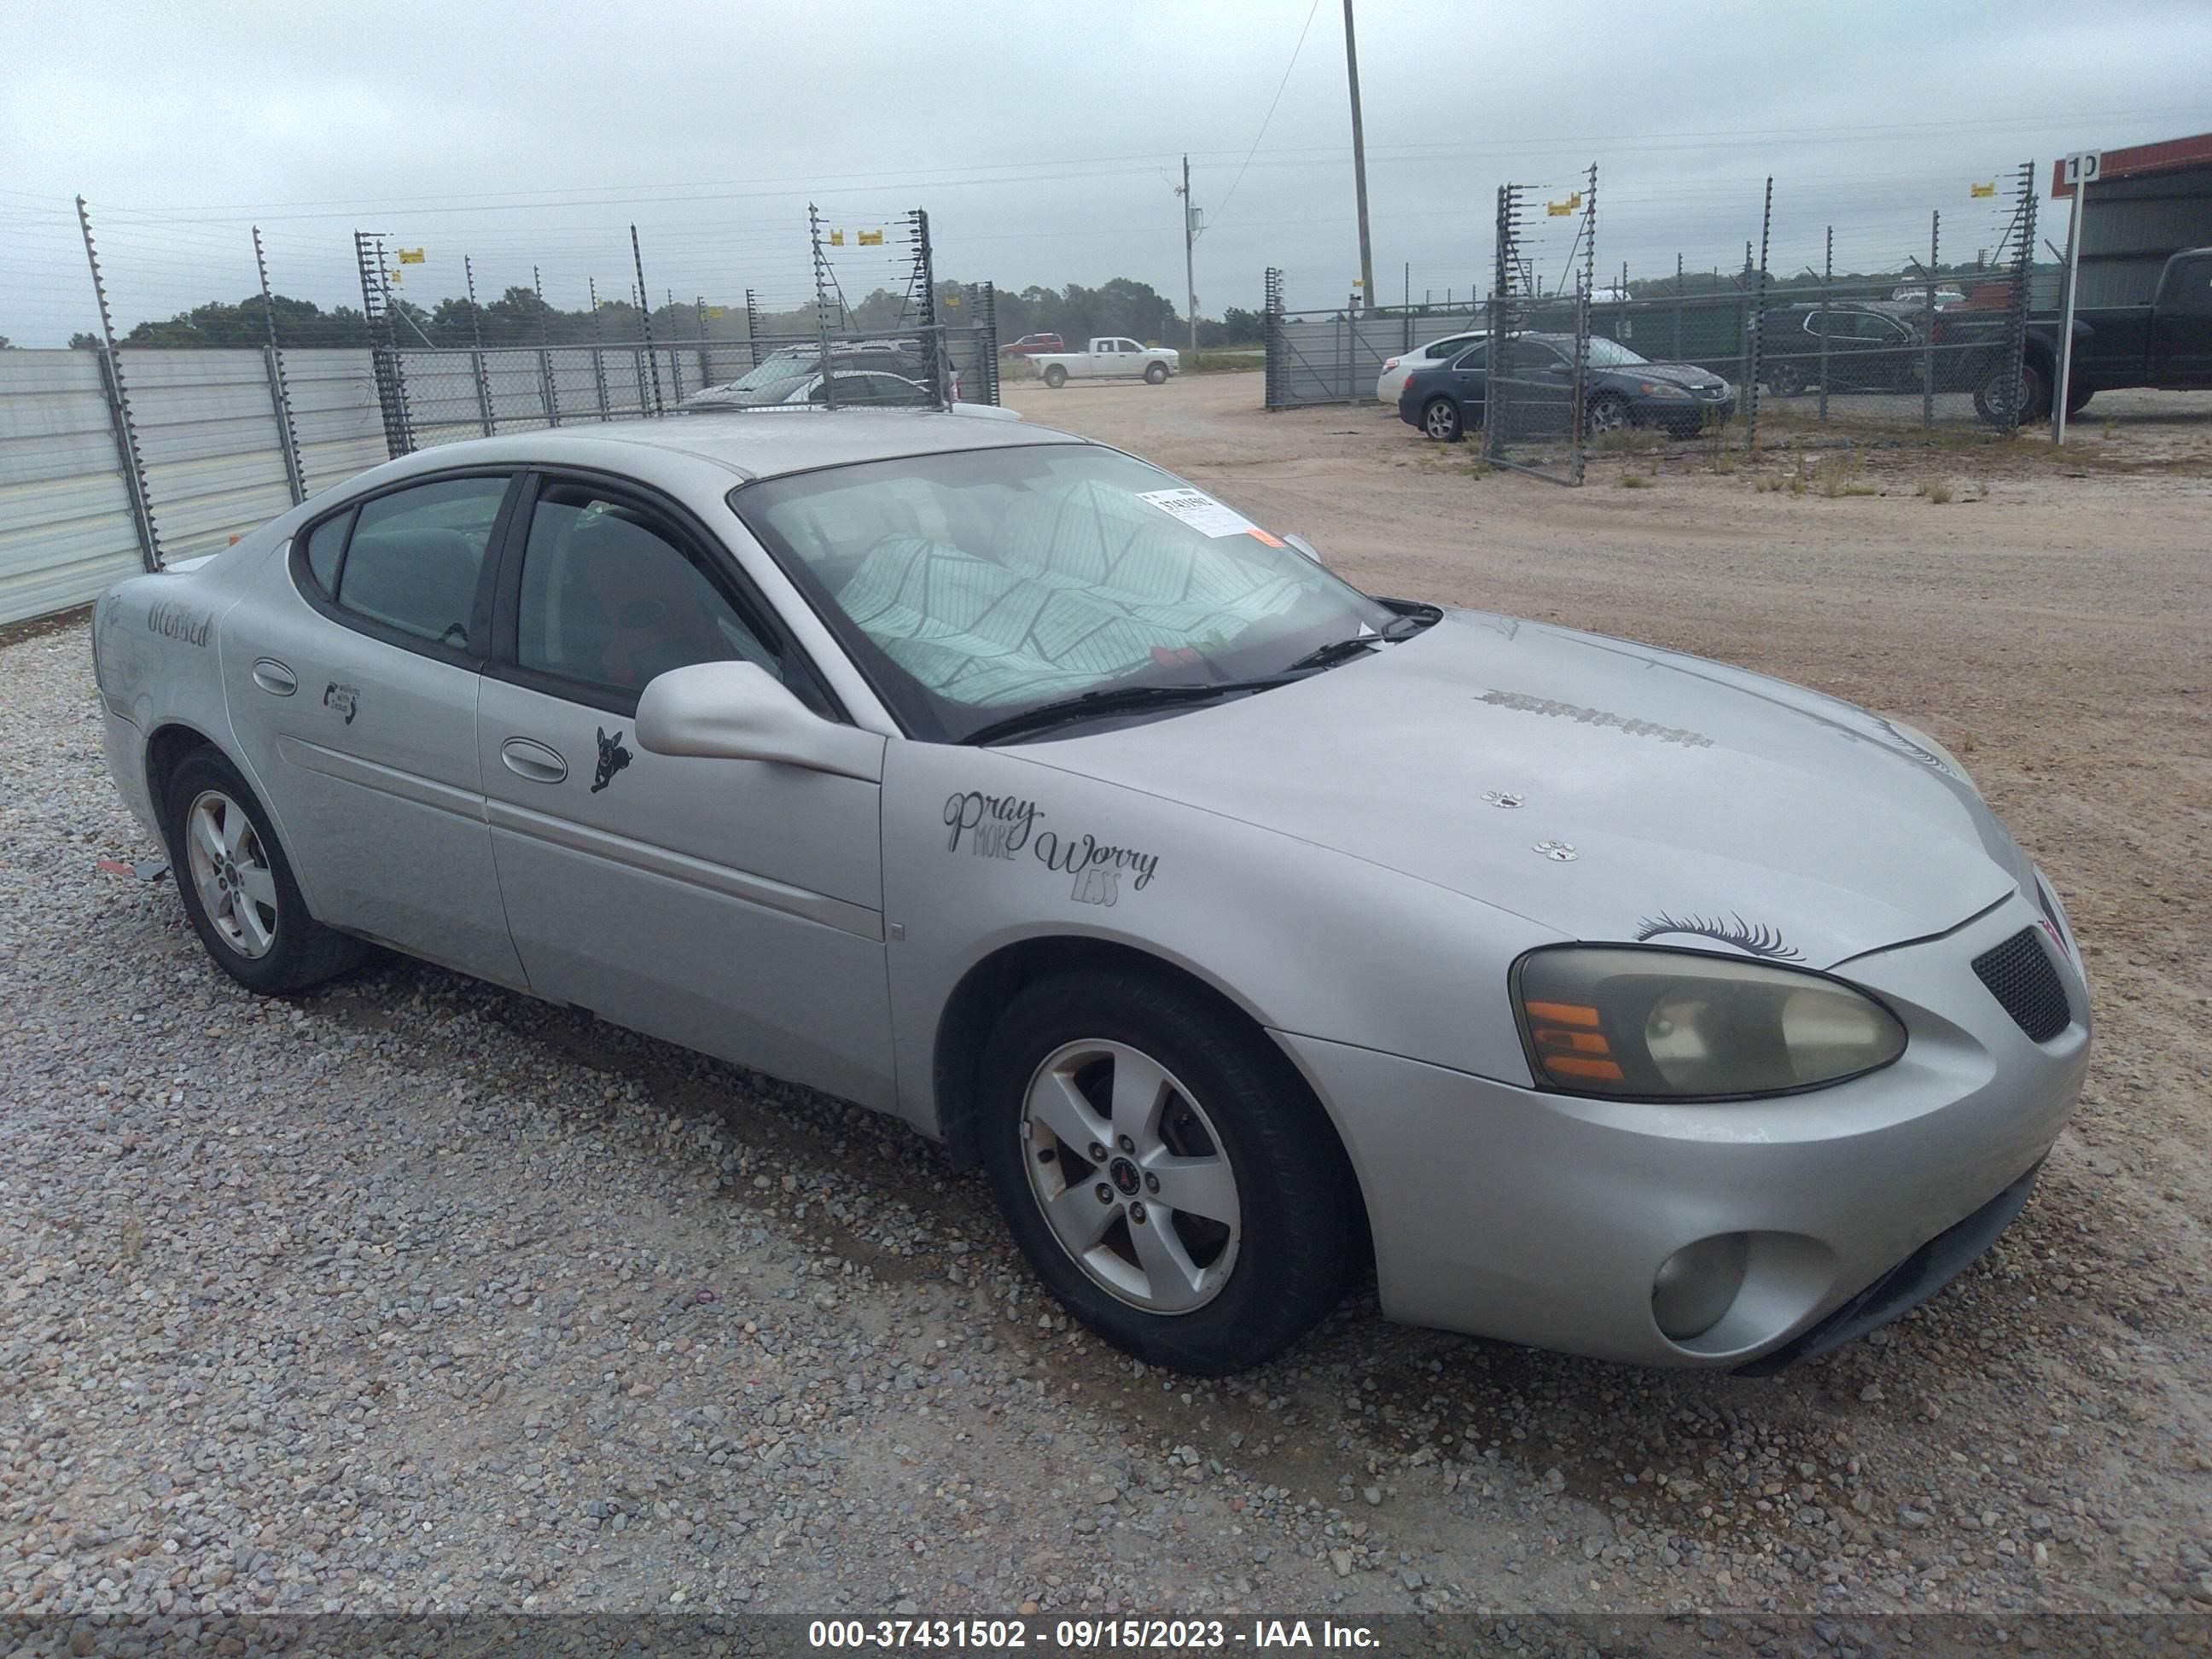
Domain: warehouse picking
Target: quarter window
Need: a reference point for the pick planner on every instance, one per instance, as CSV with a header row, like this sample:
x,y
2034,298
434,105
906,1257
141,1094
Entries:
x,y
326,542
610,599
414,557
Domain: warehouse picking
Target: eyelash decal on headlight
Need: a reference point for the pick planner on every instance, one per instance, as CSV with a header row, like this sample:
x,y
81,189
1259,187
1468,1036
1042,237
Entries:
x,y
1760,940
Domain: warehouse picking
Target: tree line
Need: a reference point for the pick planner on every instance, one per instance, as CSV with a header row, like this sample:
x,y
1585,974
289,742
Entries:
x,y
518,316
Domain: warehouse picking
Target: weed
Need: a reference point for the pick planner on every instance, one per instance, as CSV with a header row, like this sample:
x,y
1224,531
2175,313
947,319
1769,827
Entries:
x,y
1723,462
1981,490
1937,490
1838,475
1637,481
2110,429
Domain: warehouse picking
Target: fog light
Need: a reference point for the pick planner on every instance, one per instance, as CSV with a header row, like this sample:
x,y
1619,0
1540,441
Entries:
x,y
1697,1285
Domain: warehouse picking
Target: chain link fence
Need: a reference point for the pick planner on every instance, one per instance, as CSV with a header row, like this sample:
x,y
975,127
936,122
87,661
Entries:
x,y
1820,345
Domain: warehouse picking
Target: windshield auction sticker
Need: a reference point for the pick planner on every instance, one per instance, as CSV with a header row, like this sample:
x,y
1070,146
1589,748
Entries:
x,y
1201,512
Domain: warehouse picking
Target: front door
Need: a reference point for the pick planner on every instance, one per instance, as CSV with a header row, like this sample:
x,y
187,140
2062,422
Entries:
x,y
734,907
356,714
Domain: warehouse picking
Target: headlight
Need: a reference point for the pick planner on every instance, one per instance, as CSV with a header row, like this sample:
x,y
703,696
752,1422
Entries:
x,y
1649,1023
1663,389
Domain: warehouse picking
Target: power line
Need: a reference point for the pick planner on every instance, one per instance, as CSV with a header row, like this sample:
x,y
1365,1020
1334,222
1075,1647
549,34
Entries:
x,y
1310,12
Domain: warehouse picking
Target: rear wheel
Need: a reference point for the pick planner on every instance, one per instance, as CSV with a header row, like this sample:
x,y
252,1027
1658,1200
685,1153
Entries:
x,y
1166,1173
2000,390
1785,380
1056,376
1156,374
1440,420
237,884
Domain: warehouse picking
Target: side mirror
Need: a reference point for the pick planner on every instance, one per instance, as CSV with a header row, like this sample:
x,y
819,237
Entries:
x,y
1306,547
736,711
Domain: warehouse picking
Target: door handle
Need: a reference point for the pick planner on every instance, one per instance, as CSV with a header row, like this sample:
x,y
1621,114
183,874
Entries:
x,y
274,677
527,758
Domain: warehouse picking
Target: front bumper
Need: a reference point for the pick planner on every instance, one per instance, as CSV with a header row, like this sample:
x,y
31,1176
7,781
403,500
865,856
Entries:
x,y
1544,1219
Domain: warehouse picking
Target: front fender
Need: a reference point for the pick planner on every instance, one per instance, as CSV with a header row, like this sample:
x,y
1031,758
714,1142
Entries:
x,y
984,849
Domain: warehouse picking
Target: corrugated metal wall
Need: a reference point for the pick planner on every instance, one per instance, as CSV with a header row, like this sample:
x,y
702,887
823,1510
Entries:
x,y
211,440
66,529
209,436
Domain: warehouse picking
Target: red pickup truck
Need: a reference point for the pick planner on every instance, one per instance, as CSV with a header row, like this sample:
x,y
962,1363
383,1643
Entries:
x,y
1031,344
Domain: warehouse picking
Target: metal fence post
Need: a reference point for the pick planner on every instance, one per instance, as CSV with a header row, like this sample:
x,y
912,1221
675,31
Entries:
x,y
2015,345
384,343
1752,345
118,411
1270,328
1827,287
547,390
132,467
475,352
1928,326
675,358
598,346
645,322
280,394
1678,308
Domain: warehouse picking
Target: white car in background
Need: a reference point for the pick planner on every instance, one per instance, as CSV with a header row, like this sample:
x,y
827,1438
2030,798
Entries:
x,y
1396,371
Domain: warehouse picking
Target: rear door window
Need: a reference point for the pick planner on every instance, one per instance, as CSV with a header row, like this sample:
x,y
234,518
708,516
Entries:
x,y
413,561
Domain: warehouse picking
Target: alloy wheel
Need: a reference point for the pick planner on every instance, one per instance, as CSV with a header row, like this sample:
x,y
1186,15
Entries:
x,y
1128,1172
230,872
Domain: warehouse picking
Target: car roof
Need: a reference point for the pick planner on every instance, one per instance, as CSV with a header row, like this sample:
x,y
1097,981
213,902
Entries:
x,y
763,443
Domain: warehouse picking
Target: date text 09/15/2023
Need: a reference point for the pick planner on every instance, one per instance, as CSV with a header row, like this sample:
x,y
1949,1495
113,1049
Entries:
x,y
1022,1634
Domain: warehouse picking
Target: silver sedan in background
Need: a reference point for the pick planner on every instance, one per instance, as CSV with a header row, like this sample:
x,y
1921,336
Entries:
x,y
1249,930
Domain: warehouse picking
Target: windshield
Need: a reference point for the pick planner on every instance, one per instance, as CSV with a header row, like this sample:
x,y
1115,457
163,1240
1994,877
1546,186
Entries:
x,y
774,369
974,585
1611,354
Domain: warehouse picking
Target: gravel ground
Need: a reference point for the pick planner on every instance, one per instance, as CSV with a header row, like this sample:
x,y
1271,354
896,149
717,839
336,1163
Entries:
x,y
416,1294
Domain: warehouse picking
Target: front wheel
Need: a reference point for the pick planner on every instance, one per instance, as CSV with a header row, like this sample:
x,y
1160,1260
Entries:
x,y
1608,413
1156,374
237,884
1440,420
1055,377
1167,1174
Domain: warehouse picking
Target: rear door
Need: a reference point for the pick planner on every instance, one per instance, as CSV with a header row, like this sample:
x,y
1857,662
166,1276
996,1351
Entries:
x,y
734,907
355,710
2182,353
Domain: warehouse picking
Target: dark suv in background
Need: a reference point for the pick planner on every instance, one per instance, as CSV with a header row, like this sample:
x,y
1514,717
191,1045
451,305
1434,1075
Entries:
x,y
1873,345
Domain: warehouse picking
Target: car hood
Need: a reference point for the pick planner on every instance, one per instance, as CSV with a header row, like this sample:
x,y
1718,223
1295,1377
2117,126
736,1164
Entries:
x,y
1684,374
1600,788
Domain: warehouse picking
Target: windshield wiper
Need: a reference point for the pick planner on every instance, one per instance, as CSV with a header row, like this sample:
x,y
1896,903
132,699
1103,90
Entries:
x,y
1336,651
1109,700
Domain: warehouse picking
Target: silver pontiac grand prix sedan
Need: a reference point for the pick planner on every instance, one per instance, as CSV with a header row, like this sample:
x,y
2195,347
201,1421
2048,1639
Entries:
x,y
1251,932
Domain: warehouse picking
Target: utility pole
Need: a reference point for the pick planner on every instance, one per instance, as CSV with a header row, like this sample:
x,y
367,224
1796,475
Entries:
x,y
1189,265
1359,162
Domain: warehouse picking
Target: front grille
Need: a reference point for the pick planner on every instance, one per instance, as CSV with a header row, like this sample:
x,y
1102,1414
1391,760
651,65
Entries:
x,y
2022,978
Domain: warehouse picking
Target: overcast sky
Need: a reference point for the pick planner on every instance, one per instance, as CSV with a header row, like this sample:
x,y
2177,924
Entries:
x,y
1043,139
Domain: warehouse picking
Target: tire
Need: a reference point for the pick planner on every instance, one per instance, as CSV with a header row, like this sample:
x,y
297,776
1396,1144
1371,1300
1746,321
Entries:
x,y
1608,413
1055,377
1440,419
2077,396
1156,374
237,884
1211,1293
1786,380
